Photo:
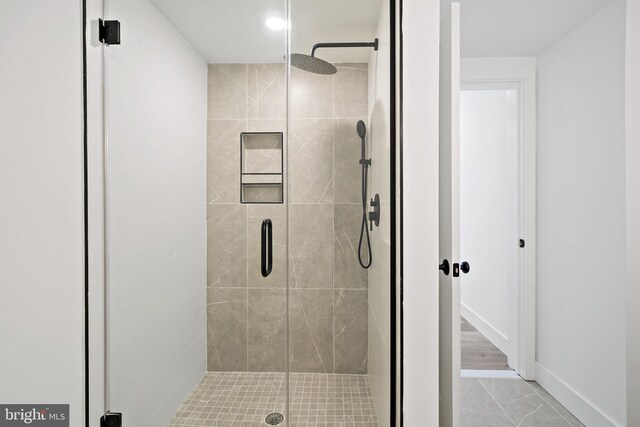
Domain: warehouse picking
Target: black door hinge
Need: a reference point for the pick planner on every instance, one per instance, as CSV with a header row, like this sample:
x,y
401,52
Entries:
x,y
109,32
522,243
111,419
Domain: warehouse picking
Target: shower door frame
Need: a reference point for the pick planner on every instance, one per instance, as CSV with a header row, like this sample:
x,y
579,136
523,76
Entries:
x,y
396,226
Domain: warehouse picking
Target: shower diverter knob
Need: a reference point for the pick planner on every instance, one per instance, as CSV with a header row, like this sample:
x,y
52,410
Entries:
x,y
374,213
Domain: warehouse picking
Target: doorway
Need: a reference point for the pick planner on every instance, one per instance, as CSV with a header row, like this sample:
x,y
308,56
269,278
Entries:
x,y
498,211
577,67
489,224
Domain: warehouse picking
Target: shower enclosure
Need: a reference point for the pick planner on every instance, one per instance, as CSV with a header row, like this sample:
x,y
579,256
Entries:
x,y
248,213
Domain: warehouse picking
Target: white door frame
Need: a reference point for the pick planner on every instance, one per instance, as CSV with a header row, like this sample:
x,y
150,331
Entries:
x,y
632,158
449,216
420,142
520,72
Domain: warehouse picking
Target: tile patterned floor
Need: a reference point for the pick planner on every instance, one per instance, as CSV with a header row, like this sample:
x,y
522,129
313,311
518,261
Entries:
x,y
500,402
243,399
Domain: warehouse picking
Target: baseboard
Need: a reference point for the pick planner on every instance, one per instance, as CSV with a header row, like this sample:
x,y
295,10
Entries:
x,y
589,414
474,373
485,329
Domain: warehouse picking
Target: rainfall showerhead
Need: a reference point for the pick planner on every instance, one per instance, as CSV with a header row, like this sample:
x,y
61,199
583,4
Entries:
x,y
318,66
312,64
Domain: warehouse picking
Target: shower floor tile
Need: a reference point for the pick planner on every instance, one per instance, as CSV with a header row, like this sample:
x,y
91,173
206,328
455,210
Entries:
x,y
244,399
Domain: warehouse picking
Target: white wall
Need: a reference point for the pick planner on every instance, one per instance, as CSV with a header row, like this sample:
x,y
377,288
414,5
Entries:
x,y
41,191
156,123
581,215
421,56
379,275
489,207
632,90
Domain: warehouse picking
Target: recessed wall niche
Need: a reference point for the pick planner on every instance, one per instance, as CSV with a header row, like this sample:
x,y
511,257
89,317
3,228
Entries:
x,y
261,165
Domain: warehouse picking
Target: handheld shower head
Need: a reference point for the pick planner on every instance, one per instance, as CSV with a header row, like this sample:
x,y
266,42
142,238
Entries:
x,y
361,128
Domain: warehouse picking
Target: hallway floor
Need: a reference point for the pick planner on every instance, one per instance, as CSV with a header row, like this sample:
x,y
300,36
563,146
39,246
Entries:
x,y
244,399
502,402
478,352
506,402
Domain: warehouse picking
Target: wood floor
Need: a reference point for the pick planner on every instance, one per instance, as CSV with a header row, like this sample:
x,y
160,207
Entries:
x,y
479,353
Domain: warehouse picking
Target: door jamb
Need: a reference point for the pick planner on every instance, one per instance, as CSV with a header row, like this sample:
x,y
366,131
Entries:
x,y
521,71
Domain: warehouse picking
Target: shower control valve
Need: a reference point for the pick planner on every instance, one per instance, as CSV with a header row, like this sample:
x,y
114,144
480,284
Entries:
x,y
374,213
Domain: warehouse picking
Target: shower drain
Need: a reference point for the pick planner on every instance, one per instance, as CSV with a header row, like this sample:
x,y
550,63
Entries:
x,y
274,418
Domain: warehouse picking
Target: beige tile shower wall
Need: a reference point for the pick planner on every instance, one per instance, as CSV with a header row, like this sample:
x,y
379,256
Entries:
x,y
328,294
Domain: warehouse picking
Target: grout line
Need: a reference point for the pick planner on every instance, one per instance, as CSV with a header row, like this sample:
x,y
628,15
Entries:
x,y
246,218
246,93
333,222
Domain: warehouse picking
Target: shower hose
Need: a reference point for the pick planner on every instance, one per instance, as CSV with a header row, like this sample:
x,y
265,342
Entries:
x,y
364,230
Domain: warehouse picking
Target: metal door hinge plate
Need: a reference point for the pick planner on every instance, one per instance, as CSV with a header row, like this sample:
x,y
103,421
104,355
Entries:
x,y
111,419
109,32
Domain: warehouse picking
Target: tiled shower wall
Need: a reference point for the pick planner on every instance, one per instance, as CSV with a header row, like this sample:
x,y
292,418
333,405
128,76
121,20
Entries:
x,y
328,289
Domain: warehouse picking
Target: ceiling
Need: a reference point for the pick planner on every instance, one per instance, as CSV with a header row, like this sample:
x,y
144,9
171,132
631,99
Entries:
x,y
519,27
234,31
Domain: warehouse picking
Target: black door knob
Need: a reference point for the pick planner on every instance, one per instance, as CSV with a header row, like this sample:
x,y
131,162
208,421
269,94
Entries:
x,y
465,267
445,267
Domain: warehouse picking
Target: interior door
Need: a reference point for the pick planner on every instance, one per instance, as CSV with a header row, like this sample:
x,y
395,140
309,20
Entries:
x,y
450,217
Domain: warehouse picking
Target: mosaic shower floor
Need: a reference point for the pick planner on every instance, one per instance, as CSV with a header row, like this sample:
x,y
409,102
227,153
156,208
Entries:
x,y
244,399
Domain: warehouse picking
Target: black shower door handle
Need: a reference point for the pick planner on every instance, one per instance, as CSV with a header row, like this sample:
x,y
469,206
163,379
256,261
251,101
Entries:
x,y
266,248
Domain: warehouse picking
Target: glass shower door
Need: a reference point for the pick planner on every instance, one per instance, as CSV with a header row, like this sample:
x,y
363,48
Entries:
x,y
155,186
339,171
195,212
248,213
